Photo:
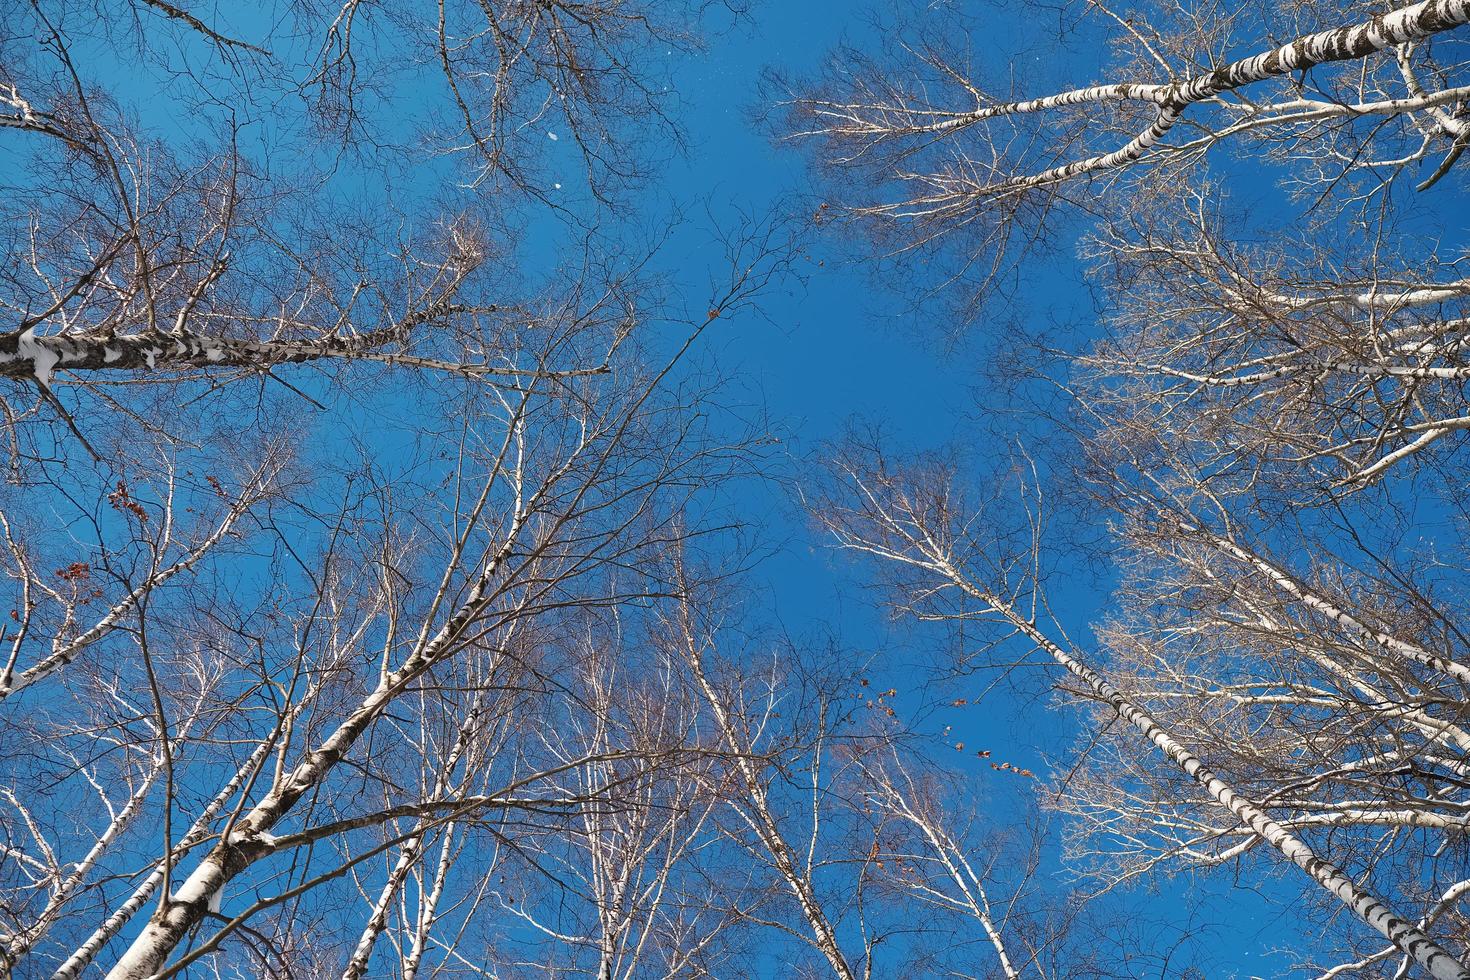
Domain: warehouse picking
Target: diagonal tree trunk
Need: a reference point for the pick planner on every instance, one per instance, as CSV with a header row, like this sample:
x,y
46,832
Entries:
x,y
1368,907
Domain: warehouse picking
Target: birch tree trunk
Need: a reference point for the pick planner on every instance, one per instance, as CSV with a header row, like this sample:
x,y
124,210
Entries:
x,y
904,520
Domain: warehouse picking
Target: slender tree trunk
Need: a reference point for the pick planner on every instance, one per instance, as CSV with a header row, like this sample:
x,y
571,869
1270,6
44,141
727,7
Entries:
x,y
1288,584
362,954
429,907
248,840
79,960
1399,931
764,824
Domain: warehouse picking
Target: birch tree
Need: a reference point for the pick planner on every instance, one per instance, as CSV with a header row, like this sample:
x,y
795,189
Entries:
x,y
964,159
627,887
373,595
951,563
1267,415
1358,372
277,663
977,882
188,253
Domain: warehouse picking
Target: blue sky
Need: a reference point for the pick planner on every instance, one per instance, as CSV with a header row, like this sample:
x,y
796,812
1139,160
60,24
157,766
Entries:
x,y
832,345
838,346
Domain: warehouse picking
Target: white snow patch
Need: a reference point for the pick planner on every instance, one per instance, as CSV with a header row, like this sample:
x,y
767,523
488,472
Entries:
x,y
206,882
43,357
557,186
552,136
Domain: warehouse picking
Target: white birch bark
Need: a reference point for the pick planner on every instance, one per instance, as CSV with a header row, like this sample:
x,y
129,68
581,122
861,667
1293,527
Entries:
x,y
1403,649
753,807
362,953
79,960
248,840
1403,933
900,533
1412,23
408,856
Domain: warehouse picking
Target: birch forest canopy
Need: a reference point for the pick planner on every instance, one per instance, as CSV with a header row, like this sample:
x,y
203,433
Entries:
x,y
652,489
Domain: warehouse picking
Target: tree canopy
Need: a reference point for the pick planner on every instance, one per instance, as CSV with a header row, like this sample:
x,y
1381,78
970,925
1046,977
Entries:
x,y
640,489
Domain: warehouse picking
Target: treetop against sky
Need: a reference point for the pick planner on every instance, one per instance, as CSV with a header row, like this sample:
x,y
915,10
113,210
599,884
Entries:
x,y
633,489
